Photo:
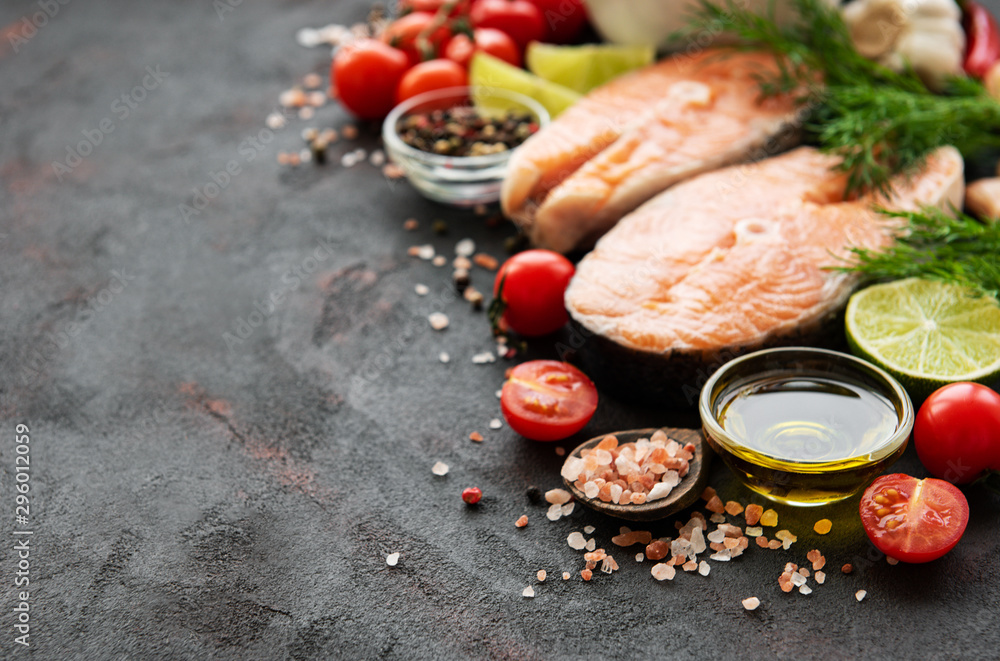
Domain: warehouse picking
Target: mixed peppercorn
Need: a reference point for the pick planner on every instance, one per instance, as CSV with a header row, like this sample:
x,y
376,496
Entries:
x,y
463,131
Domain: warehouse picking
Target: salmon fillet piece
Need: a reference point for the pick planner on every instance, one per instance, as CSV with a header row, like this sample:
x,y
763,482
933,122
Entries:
x,y
737,257
639,134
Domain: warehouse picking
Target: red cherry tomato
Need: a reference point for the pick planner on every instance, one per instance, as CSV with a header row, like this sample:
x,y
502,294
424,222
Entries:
x,y
563,19
366,74
430,76
913,520
983,37
493,42
546,400
957,432
518,18
403,34
534,284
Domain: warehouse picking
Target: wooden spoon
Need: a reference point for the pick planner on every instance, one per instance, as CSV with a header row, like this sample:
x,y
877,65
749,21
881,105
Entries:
x,y
685,493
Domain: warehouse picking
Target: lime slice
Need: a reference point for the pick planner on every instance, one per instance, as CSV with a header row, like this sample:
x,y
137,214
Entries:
x,y
582,68
487,71
926,333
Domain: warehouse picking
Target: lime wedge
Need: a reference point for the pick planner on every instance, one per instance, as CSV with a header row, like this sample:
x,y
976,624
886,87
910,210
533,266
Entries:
x,y
487,71
926,333
582,68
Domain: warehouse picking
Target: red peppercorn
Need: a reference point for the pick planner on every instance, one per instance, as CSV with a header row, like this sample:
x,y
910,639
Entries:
x,y
471,495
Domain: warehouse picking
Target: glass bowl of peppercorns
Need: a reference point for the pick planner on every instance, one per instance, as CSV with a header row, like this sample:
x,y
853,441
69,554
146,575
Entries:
x,y
454,144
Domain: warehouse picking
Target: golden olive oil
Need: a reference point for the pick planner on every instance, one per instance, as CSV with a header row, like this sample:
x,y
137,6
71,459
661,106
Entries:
x,y
807,439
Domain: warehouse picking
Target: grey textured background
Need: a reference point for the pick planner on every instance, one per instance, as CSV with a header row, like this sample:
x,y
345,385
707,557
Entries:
x,y
192,501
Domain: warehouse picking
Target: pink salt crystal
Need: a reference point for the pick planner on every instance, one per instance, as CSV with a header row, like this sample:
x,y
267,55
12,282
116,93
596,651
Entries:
x,y
590,490
591,544
638,498
440,468
639,557
522,521
576,541
567,509
565,575
690,565
554,513
557,496
891,560
392,559
820,577
528,592
588,530
659,436
541,575
751,603
860,594
616,493
704,568
663,572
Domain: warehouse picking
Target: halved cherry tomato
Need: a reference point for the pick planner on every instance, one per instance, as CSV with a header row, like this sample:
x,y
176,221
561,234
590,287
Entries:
x,y
957,432
432,6
518,18
913,520
403,33
563,19
546,400
366,74
534,284
493,42
430,76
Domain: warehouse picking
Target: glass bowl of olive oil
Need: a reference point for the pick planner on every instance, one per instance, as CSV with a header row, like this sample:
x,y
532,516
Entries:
x,y
805,426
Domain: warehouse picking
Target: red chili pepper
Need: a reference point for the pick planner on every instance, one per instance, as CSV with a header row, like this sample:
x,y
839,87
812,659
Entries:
x,y
983,39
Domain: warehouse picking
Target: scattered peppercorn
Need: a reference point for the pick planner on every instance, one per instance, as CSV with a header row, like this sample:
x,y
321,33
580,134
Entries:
x,y
534,494
472,495
439,226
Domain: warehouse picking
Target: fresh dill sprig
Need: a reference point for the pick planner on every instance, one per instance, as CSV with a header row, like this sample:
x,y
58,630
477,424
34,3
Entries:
x,y
881,122
935,245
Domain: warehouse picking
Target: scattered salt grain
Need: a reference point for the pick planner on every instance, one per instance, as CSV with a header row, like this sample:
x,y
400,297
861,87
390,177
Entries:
x,y
639,557
528,592
312,80
495,423
522,521
891,560
465,248
306,113
717,518
498,394
588,530
392,559
444,357
576,541
275,121
541,575
565,575
438,320
663,572
860,594
751,603
377,158
733,508
558,496
293,98
410,224
421,289
476,437
440,468
847,569
425,252
484,357
554,513
805,589
823,526
349,132
567,509
820,577
704,568
769,518
724,555
591,544
348,160
439,260
754,531
798,579
560,451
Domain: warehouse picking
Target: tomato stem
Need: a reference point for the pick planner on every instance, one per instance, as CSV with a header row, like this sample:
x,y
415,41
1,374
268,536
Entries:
x,y
991,481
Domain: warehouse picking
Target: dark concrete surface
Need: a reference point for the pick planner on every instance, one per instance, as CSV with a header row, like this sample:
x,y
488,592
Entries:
x,y
193,498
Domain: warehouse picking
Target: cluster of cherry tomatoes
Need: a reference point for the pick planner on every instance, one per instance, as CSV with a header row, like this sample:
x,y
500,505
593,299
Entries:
x,y
431,43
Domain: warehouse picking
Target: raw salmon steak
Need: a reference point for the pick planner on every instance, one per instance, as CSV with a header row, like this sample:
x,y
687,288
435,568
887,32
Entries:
x,y
637,135
737,259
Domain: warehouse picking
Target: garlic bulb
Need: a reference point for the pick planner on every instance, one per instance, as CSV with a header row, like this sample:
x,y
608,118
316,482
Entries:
x,y
926,34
